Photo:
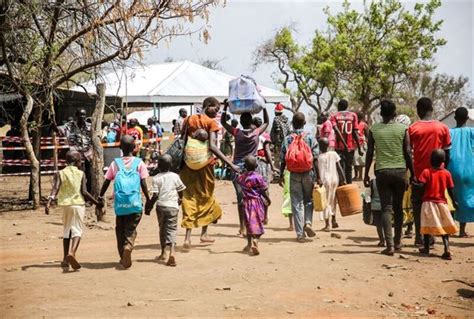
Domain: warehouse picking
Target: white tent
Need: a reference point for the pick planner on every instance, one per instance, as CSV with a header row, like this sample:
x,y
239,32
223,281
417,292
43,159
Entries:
x,y
172,83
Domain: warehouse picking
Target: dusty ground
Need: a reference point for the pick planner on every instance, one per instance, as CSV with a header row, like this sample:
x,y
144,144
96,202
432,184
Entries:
x,y
344,277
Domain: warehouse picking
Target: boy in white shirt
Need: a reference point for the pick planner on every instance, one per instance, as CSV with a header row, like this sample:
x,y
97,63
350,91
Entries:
x,y
167,189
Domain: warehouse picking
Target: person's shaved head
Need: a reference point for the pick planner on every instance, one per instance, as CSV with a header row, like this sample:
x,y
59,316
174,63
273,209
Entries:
x,y
165,162
250,163
299,120
127,144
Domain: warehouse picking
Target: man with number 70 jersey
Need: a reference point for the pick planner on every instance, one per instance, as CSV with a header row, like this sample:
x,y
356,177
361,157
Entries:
x,y
347,138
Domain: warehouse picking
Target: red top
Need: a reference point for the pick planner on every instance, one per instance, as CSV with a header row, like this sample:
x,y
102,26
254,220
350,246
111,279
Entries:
x,y
346,122
362,128
425,136
436,181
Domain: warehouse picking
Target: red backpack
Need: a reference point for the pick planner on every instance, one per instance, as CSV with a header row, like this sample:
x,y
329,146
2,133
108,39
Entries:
x,y
299,158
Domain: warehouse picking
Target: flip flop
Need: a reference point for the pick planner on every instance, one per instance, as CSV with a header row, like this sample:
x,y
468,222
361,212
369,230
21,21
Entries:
x,y
446,256
309,231
73,262
127,258
171,262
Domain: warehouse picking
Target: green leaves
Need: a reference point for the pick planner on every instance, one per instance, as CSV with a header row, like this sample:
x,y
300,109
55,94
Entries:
x,y
367,55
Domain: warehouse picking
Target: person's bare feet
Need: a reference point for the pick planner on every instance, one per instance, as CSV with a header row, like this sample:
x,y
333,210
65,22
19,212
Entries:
x,y
265,221
207,239
163,256
64,263
171,261
73,262
242,233
291,228
187,245
464,235
334,224
326,229
381,243
254,249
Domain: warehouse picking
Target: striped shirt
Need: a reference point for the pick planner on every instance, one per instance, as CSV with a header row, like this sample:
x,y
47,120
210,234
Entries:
x,y
389,145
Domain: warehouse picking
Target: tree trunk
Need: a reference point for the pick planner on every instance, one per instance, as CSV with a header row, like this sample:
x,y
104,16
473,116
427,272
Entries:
x,y
30,152
98,152
36,145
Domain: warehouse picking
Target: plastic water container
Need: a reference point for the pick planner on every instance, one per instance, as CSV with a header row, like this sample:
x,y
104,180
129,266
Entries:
x,y
349,199
319,199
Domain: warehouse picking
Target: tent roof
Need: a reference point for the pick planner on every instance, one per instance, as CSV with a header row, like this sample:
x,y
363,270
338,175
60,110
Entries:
x,y
182,82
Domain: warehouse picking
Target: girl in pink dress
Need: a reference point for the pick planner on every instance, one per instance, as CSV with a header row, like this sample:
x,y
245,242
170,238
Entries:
x,y
256,199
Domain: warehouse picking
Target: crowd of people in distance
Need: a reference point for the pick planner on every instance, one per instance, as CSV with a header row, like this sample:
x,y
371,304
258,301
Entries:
x,y
395,159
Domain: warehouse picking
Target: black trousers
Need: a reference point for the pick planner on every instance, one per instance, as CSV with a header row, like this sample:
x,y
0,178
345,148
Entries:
x,y
87,167
391,187
416,200
126,231
347,159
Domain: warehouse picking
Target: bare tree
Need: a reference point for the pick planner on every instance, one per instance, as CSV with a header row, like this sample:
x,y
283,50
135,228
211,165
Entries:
x,y
49,44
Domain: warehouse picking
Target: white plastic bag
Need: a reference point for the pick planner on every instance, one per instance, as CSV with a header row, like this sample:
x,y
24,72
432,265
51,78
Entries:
x,y
244,96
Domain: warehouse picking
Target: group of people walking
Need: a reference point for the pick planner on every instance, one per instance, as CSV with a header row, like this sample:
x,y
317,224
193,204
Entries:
x,y
419,153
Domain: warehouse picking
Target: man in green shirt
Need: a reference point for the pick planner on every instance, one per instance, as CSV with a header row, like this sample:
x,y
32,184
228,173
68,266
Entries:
x,y
392,149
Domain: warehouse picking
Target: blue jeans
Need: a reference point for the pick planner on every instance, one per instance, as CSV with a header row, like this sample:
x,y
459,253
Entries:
x,y
301,190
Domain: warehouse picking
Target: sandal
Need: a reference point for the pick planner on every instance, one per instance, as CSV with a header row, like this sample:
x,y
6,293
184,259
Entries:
x,y
424,251
446,256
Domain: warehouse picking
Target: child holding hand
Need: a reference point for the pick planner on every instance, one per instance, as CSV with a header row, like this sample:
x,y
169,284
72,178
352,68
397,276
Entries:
x,y
70,190
255,200
167,189
436,219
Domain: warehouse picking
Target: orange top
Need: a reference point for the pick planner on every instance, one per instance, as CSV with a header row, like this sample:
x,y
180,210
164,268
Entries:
x,y
201,121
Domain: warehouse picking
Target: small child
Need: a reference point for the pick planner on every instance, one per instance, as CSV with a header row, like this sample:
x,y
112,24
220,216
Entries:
x,y
129,174
167,189
330,173
255,199
376,212
201,135
436,219
70,189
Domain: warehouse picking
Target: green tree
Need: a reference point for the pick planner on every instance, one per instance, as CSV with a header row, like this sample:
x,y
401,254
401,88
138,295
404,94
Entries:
x,y
377,49
306,74
447,92
48,44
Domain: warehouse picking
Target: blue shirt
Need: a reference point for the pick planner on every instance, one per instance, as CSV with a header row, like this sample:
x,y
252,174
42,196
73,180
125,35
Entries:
x,y
308,138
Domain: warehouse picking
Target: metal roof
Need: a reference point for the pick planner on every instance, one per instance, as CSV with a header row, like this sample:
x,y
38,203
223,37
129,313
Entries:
x,y
182,82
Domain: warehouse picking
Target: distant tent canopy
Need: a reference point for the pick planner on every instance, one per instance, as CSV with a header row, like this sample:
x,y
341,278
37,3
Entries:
x,y
177,83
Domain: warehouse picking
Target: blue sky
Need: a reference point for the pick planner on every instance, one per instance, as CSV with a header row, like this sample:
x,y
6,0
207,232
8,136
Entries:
x,y
239,27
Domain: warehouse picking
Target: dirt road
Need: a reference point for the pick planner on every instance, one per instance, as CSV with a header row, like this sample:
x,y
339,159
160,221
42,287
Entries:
x,y
329,276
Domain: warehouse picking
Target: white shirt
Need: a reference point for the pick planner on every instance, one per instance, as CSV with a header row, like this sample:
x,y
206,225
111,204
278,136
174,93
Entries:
x,y
327,164
167,185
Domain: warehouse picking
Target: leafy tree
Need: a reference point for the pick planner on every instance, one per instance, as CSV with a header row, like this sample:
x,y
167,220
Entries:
x,y
447,92
47,44
378,48
212,64
364,55
302,74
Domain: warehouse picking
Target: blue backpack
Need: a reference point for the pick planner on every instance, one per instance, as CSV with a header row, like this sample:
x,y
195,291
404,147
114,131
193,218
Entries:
x,y
127,196
111,136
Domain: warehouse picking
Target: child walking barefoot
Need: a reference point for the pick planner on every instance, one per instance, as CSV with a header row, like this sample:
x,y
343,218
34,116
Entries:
x,y
167,189
255,198
436,218
330,173
70,189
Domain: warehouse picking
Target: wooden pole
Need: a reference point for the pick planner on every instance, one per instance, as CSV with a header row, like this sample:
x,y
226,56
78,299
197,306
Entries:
x,y
97,150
